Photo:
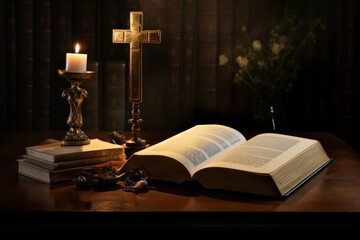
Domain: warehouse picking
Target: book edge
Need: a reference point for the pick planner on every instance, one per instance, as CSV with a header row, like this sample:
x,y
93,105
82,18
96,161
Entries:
x,y
117,149
297,186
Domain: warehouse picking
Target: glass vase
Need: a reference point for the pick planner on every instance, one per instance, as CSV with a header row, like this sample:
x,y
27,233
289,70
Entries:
x,y
269,114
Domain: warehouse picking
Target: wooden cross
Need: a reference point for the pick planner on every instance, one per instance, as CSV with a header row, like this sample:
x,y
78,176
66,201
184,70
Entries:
x,y
136,37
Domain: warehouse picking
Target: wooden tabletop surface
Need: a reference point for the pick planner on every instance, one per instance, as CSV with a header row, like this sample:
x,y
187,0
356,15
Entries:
x,y
330,197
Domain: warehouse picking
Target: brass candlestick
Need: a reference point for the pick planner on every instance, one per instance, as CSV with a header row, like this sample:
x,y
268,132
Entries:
x,y
75,96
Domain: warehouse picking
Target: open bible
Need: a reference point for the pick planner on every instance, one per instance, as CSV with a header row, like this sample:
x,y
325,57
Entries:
x,y
220,157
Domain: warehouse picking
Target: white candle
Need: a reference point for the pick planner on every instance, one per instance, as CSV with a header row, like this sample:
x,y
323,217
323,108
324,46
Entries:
x,y
76,62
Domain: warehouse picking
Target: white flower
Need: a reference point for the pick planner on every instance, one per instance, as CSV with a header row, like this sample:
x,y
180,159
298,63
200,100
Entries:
x,y
257,67
283,40
223,60
261,64
257,45
242,61
275,48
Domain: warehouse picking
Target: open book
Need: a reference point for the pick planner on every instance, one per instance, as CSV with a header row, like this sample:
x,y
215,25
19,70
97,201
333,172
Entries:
x,y
219,157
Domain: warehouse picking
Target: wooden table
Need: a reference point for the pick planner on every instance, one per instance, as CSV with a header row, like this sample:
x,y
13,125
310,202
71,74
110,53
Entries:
x,y
329,202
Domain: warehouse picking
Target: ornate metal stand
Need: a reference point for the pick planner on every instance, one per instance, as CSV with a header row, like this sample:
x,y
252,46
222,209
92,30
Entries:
x,y
75,96
135,121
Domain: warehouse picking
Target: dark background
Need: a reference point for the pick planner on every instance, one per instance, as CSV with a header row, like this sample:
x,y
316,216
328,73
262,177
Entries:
x,y
182,84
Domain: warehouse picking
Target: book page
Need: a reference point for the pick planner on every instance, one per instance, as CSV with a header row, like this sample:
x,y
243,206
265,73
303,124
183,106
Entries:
x,y
263,153
198,145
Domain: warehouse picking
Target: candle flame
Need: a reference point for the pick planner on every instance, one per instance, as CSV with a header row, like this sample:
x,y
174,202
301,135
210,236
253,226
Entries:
x,y
77,48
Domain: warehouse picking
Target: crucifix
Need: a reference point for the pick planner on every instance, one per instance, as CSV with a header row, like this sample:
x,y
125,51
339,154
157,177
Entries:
x,y
136,37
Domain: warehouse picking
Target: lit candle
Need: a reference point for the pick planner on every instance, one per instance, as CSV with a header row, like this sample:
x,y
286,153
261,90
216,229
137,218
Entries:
x,y
76,62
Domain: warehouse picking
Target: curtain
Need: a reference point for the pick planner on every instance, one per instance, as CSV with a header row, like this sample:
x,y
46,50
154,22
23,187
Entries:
x,y
182,82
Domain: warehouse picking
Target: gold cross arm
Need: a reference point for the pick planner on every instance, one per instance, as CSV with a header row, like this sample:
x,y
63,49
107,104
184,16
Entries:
x,y
127,36
136,37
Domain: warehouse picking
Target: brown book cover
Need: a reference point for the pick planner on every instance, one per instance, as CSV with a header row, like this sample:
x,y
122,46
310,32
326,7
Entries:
x,y
178,55
42,64
73,163
54,176
84,24
225,46
61,13
3,85
25,62
114,96
207,60
3,95
90,107
114,15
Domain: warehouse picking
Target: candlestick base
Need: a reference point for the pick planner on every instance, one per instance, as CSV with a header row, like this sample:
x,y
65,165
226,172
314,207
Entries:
x,y
75,137
75,96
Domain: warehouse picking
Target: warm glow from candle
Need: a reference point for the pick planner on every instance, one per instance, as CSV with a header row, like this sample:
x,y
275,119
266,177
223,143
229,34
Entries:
x,y
77,48
76,62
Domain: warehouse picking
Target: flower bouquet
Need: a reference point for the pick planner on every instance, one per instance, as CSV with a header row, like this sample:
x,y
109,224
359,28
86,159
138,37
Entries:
x,y
269,67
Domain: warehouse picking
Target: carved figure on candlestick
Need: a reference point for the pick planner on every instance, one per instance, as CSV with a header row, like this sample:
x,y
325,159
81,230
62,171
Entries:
x,y
136,37
75,97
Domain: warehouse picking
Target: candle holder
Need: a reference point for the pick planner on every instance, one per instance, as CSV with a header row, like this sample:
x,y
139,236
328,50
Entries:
x,y
75,96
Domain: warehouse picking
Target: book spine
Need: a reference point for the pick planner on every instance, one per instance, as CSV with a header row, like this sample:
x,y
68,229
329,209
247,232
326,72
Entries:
x,y
3,96
114,96
10,61
162,94
207,59
188,69
225,46
346,97
90,108
175,45
42,64
240,103
314,111
84,17
61,44
115,15
25,60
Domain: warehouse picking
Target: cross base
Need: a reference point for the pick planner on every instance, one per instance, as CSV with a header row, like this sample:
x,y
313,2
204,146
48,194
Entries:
x,y
135,143
131,150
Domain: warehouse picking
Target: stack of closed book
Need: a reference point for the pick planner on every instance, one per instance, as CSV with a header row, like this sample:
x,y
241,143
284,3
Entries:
x,y
51,162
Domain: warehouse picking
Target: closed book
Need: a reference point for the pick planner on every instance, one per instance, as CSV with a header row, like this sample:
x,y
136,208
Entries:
x,y
73,163
114,95
55,152
54,176
24,94
90,107
42,63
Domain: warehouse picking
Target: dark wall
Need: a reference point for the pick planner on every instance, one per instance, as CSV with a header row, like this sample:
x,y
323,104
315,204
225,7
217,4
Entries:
x,y
182,84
